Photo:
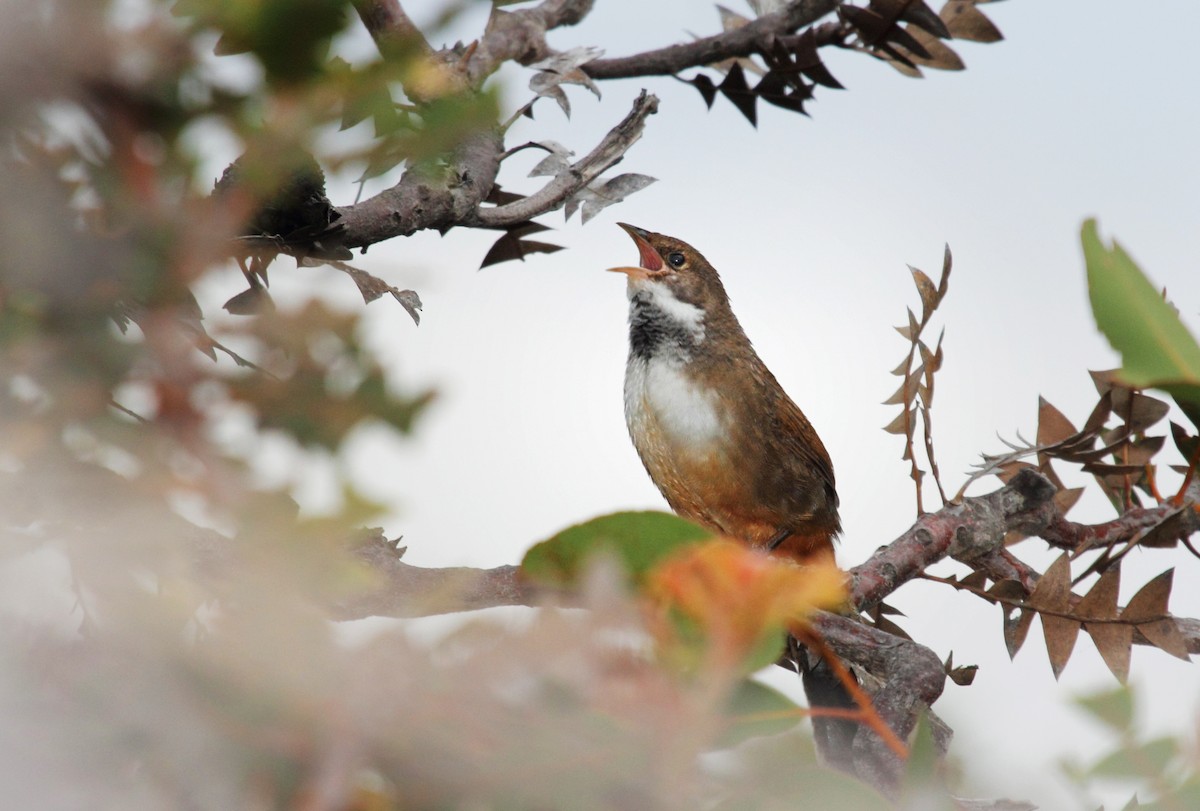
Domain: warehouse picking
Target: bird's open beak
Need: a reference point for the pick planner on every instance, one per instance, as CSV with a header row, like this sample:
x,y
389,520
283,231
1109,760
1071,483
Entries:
x,y
650,261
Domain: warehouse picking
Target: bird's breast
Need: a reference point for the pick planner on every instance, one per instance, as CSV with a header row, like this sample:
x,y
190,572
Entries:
x,y
664,404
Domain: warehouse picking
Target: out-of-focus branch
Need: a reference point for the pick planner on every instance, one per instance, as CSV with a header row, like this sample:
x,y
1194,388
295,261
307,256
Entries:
x,y
390,26
413,591
755,36
607,153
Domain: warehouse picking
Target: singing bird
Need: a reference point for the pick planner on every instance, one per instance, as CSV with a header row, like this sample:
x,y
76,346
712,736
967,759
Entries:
x,y
718,435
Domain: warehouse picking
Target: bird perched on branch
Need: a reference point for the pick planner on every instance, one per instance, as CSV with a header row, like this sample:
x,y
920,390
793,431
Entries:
x,y
718,435
721,439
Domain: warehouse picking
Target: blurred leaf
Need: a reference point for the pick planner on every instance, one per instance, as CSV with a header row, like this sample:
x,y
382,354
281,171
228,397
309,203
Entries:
x,y
1145,760
756,710
639,540
727,604
1156,349
1113,707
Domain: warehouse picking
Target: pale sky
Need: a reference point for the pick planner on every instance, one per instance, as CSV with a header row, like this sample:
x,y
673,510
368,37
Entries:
x,y
1086,109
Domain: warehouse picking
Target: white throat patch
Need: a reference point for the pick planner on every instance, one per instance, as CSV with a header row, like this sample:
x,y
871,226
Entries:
x,y
687,315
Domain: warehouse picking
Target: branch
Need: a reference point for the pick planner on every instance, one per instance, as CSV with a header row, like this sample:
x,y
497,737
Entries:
x,y
520,36
753,37
390,26
554,194
423,200
967,531
413,591
911,679
1077,538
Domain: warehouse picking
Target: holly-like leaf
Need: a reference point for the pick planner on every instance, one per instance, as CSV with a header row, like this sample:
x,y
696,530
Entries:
x,y
638,540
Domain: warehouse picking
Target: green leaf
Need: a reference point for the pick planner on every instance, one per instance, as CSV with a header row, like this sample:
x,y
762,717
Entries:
x,y
758,710
1112,707
638,540
1156,348
1147,760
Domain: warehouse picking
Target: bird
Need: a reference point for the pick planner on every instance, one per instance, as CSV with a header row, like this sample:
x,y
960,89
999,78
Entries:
x,y
723,442
720,438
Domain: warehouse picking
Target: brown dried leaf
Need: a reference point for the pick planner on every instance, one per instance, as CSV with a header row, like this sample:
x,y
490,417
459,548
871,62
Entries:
x,y
1053,425
963,675
1008,590
1185,443
964,21
941,56
735,89
1144,411
912,330
975,580
1166,533
1099,416
906,392
1016,628
1148,610
809,63
947,265
1053,593
1114,641
1064,500
902,424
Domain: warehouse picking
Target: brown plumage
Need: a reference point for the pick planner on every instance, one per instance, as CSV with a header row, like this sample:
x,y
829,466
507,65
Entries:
x,y
718,435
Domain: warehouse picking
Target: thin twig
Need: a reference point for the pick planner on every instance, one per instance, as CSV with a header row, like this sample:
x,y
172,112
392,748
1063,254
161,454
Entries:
x,y
553,195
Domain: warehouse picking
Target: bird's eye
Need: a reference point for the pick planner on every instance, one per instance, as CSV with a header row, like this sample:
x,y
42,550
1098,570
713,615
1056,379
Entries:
x,y
676,259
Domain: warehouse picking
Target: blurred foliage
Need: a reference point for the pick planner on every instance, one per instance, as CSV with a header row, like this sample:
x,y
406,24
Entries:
x,y
1155,346
1160,773
166,618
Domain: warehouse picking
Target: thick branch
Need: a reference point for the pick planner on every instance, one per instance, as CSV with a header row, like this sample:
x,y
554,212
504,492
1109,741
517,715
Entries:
x,y
911,680
520,36
555,193
422,200
755,36
967,531
390,26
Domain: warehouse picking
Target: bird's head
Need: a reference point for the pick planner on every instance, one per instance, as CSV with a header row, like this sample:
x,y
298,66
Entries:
x,y
666,264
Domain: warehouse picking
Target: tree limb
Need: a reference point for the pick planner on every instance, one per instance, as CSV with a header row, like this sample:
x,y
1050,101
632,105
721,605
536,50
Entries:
x,y
554,194
967,531
424,200
755,36
390,27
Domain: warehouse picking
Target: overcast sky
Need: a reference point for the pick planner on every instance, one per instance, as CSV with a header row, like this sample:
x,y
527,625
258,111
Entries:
x,y
1086,109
